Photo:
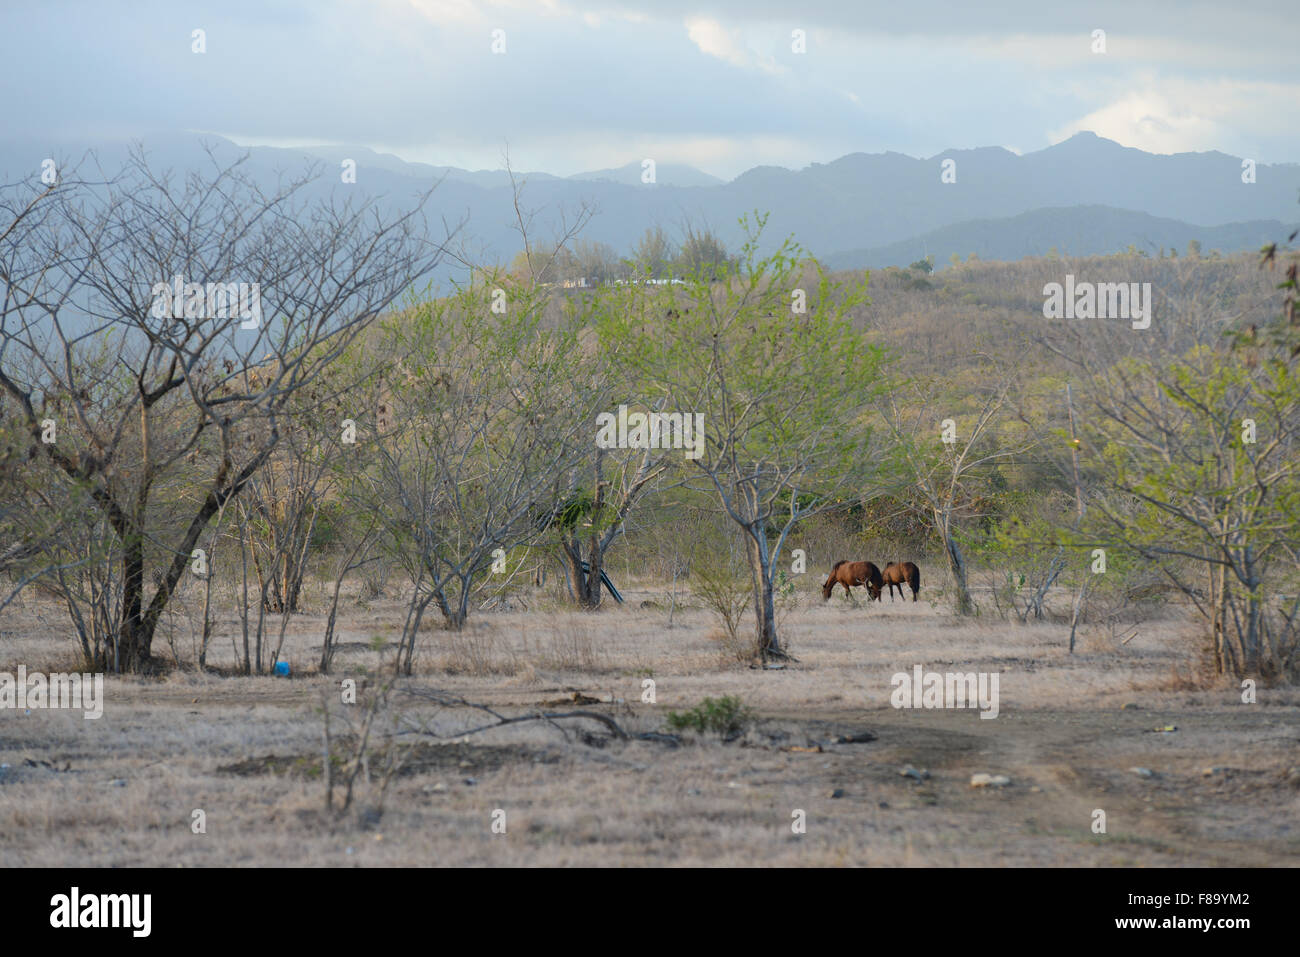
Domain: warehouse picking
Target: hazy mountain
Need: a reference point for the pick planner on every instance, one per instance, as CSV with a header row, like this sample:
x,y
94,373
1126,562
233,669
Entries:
x,y
1071,231
666,174
1084,195
486,178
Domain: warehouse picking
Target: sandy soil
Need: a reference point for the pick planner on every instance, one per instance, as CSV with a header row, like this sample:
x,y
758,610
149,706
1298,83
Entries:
x,y
1223,789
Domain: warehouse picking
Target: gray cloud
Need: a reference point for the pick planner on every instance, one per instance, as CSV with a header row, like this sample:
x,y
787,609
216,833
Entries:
x,y
589,85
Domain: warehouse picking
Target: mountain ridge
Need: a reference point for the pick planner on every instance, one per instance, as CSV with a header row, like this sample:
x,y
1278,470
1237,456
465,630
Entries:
x,y
858,204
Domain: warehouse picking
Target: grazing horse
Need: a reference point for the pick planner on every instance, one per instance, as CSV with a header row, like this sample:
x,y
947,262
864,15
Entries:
x,y
900,573
849,574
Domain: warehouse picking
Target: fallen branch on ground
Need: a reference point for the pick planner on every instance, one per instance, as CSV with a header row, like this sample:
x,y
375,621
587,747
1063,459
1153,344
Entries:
x,y
456,701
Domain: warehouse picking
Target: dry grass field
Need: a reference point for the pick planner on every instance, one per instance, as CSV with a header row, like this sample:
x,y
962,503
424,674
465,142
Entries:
x,y
1223,789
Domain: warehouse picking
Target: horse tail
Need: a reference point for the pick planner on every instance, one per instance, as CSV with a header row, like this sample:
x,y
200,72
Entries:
x,y
916,578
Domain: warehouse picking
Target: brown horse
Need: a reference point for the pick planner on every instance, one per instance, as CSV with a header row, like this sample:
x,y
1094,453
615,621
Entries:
x,y
849,574
898,574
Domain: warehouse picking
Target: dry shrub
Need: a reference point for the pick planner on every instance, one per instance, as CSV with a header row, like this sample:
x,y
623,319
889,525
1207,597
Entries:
x,y
721,581
1196,675
479,653
569,646
732,647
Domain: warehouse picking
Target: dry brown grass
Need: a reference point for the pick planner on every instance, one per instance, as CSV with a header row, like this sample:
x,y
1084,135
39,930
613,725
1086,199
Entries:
x,y
120,790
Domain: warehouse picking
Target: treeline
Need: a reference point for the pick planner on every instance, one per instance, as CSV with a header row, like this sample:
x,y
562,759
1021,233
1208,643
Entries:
x,y
450,443
657,255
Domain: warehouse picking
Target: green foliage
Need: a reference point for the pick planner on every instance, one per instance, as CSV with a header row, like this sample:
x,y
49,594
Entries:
x,y
703,256
726,716
1190,489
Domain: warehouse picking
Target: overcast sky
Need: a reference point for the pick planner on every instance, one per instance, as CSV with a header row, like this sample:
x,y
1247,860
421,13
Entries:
x,y
588,85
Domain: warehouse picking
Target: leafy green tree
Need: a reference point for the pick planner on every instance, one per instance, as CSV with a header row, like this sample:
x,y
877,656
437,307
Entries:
x,y
654,254
703,254
1200,460
782,380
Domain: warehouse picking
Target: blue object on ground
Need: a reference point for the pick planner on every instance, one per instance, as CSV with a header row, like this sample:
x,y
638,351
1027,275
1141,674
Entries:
x,y
282,669
609,585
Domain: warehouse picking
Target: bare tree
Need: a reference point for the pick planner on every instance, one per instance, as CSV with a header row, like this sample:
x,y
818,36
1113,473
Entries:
x,y
945,454
215,302
587,522
485,420
545,261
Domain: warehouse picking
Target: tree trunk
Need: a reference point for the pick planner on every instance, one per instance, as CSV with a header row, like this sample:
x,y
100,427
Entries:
x,y
414,615
587,586
327,647
956,565
760,561
1252,662
133,643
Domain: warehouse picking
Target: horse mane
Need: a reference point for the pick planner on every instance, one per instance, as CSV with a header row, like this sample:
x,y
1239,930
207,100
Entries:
x,y
838,564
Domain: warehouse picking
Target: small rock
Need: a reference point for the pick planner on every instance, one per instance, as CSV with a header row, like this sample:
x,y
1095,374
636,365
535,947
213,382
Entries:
x,y
1143,772
837,793
1131,706
1211,771
989,780
915,775
694,792
471,781
857,737
438,788
884,804
1036,789
119,782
